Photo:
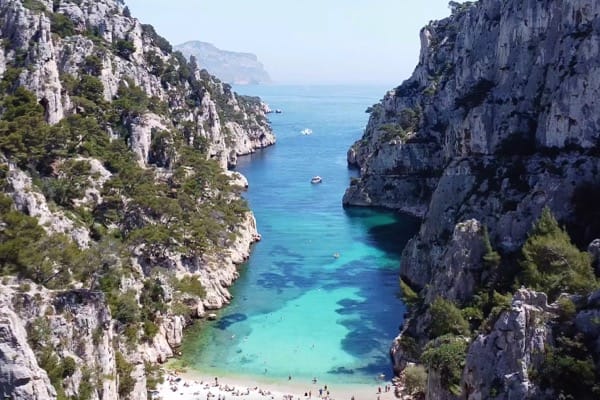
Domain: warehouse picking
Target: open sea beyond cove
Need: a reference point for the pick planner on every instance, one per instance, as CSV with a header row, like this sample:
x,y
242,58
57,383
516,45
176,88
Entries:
x,y
319,295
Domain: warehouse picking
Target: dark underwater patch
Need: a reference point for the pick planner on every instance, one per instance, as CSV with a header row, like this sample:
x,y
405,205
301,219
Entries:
x,y
341,371
230,319
360,341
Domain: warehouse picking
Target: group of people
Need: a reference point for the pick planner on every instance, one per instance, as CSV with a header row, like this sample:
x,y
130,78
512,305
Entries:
x,y
216,390
386,388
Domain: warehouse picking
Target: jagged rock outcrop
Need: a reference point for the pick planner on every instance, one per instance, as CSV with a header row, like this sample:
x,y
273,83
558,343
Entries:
x,y
20,375
498,364
30,201
459,272
75,324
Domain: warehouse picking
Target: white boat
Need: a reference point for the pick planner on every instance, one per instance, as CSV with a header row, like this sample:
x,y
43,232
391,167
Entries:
x,y
316,179
306,131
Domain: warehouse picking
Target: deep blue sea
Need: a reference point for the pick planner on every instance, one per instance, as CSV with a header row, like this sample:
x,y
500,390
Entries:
x,y
319,295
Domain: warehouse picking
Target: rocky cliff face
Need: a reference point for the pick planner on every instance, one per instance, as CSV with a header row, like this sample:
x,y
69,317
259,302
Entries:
x,y
498,88
75,324
120,222
511,351
496,123
33,41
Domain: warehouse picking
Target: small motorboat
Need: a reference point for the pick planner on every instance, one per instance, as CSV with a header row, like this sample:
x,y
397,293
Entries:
x,y
306,131
316,179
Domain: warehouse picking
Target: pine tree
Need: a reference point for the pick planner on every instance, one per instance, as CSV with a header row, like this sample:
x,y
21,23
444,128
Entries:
x,y
551,263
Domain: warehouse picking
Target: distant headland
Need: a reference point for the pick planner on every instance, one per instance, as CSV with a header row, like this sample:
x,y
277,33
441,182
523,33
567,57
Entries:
x,y
229,66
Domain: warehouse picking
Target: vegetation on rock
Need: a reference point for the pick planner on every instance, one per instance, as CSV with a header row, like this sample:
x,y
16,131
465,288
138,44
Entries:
x,y
552,264
549,263
121,228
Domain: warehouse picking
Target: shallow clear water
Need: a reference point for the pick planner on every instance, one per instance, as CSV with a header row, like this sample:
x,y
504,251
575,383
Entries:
x,y
299,310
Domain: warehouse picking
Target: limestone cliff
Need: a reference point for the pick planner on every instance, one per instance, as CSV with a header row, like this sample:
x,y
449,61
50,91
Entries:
x,y
120,222
232,124
497,122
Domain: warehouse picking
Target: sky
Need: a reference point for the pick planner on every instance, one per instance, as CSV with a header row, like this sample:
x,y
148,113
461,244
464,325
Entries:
x,y
304,41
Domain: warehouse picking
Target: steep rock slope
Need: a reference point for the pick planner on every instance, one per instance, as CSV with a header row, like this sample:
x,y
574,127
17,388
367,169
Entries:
x,y
229,66
120,222
498,121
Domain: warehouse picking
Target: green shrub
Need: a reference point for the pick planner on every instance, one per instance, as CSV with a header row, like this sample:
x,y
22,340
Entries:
x,y
496,304
570,370
61,25
24,287
23,130
473,315
68,367
49,362
410,119
552,264
150,330
126,309
91,88
446,318
155,63
34,5
446,355
131,100
27,251
491,258
191,285
567,309
409,296
124,369
157,40
154,375
93,65
38,333
70,184
86,387
410,347
124,48
415,380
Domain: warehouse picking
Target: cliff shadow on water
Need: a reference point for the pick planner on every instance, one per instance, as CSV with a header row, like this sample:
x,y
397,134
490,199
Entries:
x,y
391,236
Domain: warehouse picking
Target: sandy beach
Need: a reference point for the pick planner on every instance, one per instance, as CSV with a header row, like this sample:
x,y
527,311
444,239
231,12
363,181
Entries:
x,y
195,386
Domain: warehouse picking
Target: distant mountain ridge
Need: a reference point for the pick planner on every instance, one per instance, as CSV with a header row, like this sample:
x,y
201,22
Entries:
x,y
229,66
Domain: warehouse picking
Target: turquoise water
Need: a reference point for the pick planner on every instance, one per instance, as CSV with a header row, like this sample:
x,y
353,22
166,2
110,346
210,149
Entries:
x,y
299,310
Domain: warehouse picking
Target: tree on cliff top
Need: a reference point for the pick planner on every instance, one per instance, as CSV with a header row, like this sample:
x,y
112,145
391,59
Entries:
x,y
552,264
